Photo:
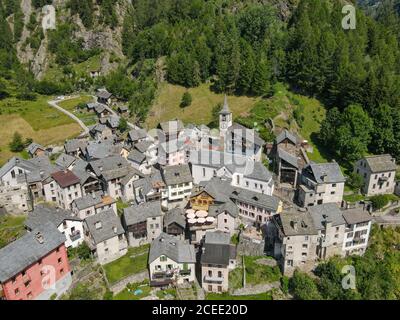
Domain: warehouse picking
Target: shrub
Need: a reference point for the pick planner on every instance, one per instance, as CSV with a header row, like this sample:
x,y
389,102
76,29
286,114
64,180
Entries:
x,y
355,181
379,201
186,100
16,145
285,284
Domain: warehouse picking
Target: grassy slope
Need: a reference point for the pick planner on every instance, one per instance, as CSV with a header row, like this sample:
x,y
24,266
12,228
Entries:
x,y
88,118
127,265
280,107
166,106
11,228
33,119
55,71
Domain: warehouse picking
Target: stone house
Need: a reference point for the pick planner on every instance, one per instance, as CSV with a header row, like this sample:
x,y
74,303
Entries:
x,y
142,223
105,236
218,257
295,242
378,173
171,261
321,183
68,224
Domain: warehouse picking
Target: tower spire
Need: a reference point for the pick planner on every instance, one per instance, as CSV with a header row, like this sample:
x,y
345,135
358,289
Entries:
x,y
225,107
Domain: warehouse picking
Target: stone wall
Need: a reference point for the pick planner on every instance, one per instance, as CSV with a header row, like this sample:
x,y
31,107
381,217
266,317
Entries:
x,y
134,278
250,247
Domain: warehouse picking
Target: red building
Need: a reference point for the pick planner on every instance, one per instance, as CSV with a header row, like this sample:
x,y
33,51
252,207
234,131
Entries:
x,y
35,266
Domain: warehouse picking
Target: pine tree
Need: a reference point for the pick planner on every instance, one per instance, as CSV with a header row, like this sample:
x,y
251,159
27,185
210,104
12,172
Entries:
x,y
261,85
247,69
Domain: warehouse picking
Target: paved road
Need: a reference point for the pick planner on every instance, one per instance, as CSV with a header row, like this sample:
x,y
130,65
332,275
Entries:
x,y
388,220
54,104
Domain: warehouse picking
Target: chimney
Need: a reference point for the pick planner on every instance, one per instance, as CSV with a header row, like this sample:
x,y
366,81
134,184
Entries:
x,y
39,237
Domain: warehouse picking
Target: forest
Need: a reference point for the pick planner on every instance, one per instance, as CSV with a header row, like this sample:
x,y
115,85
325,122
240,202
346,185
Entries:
x,y
241,48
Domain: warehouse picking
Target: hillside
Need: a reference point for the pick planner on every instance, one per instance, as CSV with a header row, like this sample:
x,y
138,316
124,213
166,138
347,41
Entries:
x,y
148,53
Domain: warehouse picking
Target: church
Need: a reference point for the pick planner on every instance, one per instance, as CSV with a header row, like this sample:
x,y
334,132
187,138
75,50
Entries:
x,y
237,139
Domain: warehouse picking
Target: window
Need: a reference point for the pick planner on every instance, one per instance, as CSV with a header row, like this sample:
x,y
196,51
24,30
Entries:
x,y
219,288
61,271
209,273
209,287
16,291
163,258
334,185
305,245
59,260
29,295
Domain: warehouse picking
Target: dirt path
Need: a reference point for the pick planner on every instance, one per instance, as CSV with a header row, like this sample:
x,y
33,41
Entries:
x,y
54,104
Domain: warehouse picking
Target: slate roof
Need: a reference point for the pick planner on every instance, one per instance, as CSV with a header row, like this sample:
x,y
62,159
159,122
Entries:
x,y
328,212
297,224
172,145
75,144
172,126
65,160
285,134
33,147
89,200
109,221
113,121
136,156
222,191
217,237
356,215
289,158
177,250
259,172
177,174
331,171
217,159
108,163
215,253
65,178
137,134
25,251
42,214
139,213
100,150
175,215
16,161
258,199
91,105
143,146
381,163
228,206
104,94
80,171
99,108
250,135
